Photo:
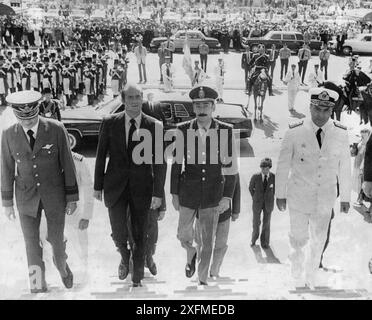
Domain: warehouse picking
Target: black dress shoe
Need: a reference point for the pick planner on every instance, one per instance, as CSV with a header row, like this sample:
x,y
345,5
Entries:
x,y
152,268
136,284
271,94
253,244
123,270
202,283
68,281
190,267
265,246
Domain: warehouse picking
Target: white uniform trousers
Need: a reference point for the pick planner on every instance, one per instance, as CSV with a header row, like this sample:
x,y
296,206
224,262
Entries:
x,y
305,226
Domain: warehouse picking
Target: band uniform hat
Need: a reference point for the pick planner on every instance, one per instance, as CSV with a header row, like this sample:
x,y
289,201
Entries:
x,y
116,61
323,97
67,58
202,93
72,53
88,59
2,58
46,59
47,90
34,54
266,162
25,104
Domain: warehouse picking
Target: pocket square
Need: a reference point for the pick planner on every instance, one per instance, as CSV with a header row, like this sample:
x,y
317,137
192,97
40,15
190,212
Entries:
x,y
47,146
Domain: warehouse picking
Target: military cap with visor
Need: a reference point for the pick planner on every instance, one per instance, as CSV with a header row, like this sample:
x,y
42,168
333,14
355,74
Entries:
x,y
25,104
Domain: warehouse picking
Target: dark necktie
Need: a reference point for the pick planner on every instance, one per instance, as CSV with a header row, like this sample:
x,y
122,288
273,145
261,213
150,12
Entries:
x,y
265,183
303,55
318,137
221,73
131,144
168,71
32,139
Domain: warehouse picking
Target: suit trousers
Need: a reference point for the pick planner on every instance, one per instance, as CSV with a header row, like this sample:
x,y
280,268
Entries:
x,y
118,214
31,233
143,67
265,232
271,68
301,225
206,228
283,67
220,246
302,66
203,61
324,64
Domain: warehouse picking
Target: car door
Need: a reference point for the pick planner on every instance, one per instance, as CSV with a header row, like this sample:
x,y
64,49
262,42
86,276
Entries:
x,y
194,39
365,45
179,39
275,38
290,40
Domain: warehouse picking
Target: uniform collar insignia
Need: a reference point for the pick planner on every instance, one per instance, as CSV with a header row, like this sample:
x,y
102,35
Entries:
x,y
47,146
324,96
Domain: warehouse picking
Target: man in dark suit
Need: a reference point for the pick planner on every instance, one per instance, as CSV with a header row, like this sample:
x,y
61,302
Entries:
x,y
36,162
273,55
262,189
129,180
246,58
205,187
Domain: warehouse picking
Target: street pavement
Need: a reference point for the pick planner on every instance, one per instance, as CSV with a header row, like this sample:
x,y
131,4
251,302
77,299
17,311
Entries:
x,y
247,273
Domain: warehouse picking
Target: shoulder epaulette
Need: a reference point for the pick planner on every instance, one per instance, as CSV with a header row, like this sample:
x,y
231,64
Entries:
x,y
77,156
296,124
339,125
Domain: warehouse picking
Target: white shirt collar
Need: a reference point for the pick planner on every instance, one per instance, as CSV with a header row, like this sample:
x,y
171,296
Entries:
x,y
263,176
137,119
34,129
324,128
207,126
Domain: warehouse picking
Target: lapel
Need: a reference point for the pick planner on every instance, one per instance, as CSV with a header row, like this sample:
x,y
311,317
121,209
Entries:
x,y
41,136
22,139
121,134
311,136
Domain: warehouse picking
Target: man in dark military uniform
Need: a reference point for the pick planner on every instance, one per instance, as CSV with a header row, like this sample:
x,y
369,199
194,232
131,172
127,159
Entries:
x,y
205,188
89,80
3,81
37,165
260,61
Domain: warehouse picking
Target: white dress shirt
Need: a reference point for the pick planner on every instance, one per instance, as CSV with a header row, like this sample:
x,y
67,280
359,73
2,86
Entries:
x,y
128,124
34,129
324,129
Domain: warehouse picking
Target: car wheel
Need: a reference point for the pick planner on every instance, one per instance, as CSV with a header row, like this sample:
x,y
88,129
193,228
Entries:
x,y
74,139
347,51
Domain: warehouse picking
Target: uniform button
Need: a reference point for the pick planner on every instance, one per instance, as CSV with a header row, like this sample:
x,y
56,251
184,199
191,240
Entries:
x,y
203,153
203,170
36,175
203,179
38,184
203,162
35,166
33,157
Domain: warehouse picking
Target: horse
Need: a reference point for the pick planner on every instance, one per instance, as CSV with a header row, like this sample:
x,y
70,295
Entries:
x,y
259,93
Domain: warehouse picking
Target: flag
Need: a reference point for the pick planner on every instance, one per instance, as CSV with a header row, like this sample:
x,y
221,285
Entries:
x,y
186,62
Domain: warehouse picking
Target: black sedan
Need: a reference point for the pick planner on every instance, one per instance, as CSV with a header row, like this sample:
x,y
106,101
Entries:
x,y
84,122
195,39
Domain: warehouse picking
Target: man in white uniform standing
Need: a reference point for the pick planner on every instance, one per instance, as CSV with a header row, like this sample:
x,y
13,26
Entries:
x,y
313,156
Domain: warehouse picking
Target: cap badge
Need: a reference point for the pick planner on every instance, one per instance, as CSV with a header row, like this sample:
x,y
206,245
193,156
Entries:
x,y
324,96
201,93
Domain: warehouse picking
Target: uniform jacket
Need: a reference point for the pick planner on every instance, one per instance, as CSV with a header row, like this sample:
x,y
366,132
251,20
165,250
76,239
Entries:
x,y
202,182
259,196
144,181
293,80
307,175
46,173
235,203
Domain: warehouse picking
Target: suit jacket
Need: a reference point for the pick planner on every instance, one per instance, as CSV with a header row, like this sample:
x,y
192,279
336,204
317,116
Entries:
x,y
259,196
203,183
141,56
46,173
144,180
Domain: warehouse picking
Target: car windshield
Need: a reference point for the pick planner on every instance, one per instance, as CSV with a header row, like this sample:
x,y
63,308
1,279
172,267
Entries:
x,y
225,110
109,107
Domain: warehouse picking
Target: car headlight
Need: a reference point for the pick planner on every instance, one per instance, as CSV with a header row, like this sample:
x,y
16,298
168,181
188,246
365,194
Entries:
x,y
218,45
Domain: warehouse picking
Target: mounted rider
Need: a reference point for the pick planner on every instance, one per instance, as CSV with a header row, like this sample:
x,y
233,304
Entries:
x,y
260,61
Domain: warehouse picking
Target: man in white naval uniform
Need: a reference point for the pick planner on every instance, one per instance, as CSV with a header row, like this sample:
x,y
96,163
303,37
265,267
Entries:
x,y
313,156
